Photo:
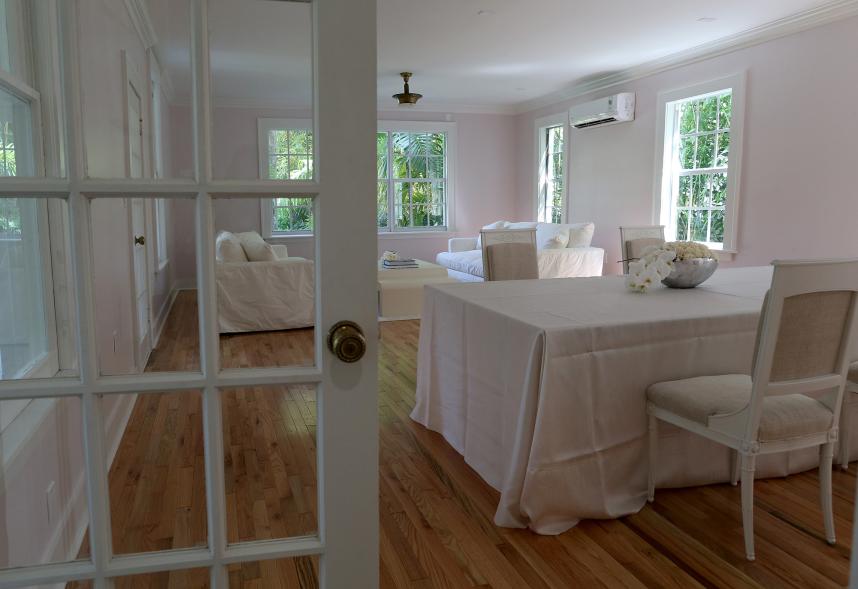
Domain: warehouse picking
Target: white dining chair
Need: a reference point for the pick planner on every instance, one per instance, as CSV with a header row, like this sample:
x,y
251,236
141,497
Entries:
x,y
803,337
849,398
509,254
634,240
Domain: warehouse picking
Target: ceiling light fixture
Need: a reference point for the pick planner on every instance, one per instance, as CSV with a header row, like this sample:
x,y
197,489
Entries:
x,y
407,97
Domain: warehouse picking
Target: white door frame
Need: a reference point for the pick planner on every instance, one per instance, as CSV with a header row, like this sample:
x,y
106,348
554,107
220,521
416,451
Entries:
x,y
344,196
132,78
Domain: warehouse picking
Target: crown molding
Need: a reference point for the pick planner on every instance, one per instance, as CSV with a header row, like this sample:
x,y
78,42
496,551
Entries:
x,y
388,105
801,21
138,12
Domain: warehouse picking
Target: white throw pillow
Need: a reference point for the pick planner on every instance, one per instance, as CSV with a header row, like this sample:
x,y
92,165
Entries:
x,y
489,227
581,234
550,236
256,248
228,248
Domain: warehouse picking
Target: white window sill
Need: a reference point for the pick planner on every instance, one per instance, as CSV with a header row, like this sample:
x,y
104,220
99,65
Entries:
x,y
414,234
381,235
286,237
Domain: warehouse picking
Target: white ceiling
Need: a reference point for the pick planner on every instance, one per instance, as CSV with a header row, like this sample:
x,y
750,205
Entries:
x,y
482,53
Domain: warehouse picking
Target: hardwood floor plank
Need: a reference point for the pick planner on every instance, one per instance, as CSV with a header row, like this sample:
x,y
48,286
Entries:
x,y
436,514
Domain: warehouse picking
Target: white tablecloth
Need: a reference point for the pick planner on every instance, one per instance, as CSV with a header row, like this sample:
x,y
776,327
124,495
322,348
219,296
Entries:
x,y
541,386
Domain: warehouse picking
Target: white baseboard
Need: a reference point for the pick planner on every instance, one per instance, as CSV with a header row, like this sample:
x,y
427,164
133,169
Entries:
x,y
161,318
116,422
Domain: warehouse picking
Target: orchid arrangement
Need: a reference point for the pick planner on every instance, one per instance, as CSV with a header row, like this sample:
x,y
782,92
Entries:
x,y
654,265
657,262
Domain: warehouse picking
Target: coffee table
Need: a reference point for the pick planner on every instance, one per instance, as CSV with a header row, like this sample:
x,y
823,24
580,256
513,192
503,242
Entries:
x,y
400,290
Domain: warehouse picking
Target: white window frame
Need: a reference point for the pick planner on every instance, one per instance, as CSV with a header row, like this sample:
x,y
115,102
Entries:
x,y
266,205
449,129
18,83
264,125
541,125
665,167
161,221
157,155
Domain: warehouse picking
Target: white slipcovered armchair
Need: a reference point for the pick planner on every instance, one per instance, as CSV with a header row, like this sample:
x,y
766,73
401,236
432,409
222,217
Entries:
x,y
261,288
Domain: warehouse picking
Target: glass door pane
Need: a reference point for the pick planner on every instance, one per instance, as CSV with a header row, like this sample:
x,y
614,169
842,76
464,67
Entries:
x,y
16,136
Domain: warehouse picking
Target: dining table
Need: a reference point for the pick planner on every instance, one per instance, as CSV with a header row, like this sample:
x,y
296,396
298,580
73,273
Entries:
x,y
541,386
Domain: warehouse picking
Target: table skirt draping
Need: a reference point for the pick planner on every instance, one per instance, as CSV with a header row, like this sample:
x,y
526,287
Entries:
x,y
541,386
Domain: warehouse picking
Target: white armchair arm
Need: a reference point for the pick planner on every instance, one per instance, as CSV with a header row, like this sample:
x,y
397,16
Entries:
x,y
281,251
461,244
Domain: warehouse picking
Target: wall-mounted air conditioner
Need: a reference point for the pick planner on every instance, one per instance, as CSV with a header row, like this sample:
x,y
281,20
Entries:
x,y
618,108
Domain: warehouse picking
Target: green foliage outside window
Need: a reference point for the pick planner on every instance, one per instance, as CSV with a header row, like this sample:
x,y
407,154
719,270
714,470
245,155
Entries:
x,y
704,150
416,174
414,167
551,182
8,166
290,157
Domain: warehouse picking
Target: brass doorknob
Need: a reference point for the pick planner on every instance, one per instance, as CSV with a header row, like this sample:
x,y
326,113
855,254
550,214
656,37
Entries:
x,y
140,240
346,341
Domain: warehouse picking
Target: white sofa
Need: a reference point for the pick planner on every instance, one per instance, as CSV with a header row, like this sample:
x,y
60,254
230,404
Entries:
x,y
563,251
270,292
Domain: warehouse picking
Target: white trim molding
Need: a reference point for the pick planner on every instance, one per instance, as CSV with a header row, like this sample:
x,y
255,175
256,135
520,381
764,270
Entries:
x,y
800,21
664,147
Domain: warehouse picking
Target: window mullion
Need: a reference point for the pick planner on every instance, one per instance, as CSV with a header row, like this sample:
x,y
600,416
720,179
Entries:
x,y
391,197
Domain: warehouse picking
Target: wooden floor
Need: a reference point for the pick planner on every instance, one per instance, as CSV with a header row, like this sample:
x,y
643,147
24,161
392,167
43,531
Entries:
x,y
436,513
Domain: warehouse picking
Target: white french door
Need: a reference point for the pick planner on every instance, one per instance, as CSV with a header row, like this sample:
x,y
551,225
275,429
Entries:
x,y
343,192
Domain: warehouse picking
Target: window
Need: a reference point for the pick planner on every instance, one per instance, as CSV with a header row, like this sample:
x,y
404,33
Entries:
x,y
700,165
551,162
286,153
414,162
157,133
24,345
414,165
161,233
24,311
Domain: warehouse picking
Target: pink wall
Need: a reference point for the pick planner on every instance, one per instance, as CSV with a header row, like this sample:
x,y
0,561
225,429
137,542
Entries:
x,y
798,190
485,176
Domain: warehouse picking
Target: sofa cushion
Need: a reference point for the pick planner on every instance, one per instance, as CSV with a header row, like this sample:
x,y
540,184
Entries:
x,y
255,248
581,234
228,248
551,236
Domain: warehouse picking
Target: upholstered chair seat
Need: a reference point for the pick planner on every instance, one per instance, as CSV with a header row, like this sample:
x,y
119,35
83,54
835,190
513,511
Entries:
x,y
700,398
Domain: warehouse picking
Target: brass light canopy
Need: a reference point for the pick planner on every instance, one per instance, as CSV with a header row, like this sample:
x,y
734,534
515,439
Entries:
x,y
407,97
